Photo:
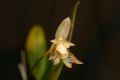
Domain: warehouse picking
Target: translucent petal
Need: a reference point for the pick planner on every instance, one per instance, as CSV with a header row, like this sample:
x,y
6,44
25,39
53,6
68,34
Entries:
x,y
63,29
73,59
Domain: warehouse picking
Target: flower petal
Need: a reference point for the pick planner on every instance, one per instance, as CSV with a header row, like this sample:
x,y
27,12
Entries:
x,y
63,29
73,59
54,41
62,50
68,64
67,44
56,60
52,52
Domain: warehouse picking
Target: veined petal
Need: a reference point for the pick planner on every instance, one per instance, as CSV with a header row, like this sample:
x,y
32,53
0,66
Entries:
x,y
73,59
63,29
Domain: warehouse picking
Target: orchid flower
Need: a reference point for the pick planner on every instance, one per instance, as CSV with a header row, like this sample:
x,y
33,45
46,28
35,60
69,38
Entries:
x,y
60,48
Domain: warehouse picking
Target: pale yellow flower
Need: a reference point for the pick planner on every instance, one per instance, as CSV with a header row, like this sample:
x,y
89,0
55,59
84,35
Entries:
x,y
60,49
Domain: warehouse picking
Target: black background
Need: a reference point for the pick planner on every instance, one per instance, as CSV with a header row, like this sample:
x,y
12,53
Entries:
x,y
96,35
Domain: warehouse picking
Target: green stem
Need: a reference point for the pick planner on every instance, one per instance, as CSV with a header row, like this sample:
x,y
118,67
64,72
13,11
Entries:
x,y
72,17
55,72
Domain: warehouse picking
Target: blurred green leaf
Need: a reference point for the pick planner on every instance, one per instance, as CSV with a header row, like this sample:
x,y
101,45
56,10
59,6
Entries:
x,y
36,47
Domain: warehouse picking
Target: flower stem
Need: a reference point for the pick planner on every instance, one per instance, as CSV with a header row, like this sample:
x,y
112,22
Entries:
x,y
72,17
55,72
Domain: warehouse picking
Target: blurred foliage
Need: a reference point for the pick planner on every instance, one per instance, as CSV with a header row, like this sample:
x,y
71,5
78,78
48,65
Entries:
x,y
36,47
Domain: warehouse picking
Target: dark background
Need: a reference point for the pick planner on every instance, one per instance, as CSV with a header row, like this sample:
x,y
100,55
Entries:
x,y
96,35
